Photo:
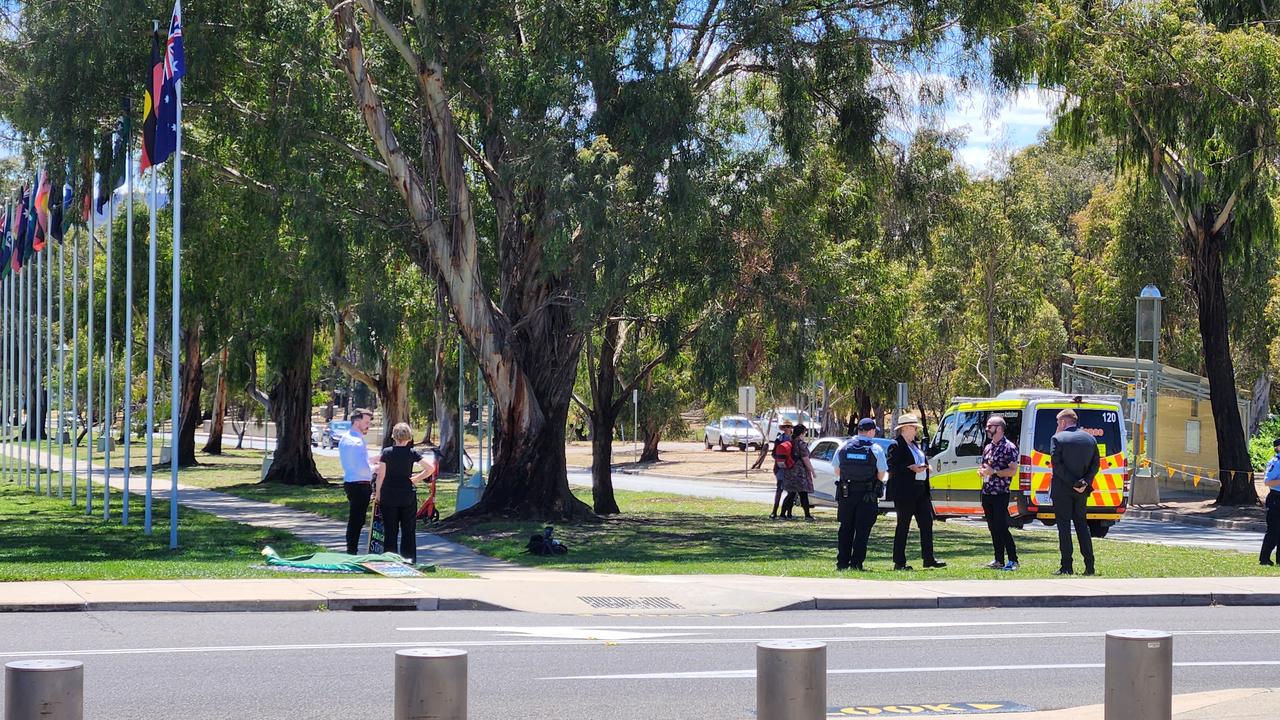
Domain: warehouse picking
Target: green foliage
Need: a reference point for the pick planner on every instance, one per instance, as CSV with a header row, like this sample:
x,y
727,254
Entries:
x,y
1260,448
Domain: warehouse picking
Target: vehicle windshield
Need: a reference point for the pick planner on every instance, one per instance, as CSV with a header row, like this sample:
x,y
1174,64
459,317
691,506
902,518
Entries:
x,y
796,417
1102,424
736,423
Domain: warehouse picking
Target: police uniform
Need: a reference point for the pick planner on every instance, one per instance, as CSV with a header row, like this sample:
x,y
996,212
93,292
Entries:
x,y
861,463
1272,539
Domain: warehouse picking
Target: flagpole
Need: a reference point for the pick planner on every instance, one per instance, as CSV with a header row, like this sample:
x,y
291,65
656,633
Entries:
x,y
108,410
177,305
39,358
75,361
48,356
89,378
62,362
151,342
25,317
128,321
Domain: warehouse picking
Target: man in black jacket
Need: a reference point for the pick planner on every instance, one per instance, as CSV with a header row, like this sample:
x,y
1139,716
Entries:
x,y
1074,454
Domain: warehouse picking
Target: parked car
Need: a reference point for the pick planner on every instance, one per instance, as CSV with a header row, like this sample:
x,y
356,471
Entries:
x,y
794,414
822,456
317,435
337,428
735,430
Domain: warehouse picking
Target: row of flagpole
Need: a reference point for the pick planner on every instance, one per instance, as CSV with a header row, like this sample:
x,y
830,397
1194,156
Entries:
x,y
29,367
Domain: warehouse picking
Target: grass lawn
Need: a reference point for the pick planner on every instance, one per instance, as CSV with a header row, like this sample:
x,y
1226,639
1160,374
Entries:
x,y
44,538
668,534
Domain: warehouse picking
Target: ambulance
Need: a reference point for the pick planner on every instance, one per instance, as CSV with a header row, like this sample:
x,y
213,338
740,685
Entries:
x,y
955,451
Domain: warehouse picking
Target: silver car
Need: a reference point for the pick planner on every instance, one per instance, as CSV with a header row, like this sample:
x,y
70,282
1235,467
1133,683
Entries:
x,y
737,430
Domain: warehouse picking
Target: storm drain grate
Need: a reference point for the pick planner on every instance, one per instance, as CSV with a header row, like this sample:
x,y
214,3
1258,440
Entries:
x,y
613,602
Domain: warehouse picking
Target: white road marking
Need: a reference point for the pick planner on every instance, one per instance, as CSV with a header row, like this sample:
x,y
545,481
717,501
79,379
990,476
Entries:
x,y
750,674
551,642
632,628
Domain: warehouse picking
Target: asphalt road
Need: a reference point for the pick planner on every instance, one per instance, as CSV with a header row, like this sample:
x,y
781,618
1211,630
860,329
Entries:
x,y
338,665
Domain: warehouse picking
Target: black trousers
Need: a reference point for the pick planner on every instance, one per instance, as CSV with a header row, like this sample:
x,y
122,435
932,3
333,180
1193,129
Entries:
x,y
1070,509
400,525
921,508
857,515
358,495
996,509
1271,540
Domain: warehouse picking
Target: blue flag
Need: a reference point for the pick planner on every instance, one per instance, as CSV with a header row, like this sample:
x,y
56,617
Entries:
x,y
174,68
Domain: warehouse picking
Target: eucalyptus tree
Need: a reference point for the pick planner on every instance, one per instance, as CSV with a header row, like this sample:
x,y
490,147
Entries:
x,y
524,103
1187,91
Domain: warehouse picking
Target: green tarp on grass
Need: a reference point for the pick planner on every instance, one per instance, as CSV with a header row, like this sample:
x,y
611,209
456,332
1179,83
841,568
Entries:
x,y
330,561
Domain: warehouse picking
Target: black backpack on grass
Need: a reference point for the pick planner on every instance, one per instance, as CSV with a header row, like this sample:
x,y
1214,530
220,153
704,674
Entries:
x,y
544,544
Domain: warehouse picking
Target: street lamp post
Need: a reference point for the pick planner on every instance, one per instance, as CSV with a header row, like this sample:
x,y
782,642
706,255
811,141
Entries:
x,y
1147,321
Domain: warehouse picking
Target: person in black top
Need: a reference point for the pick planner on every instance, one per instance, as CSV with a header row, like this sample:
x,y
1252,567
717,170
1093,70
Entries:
x,y
394,495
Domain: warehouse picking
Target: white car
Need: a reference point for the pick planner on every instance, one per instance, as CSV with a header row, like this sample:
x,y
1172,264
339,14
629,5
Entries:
x,y
737,430
822,456
795,415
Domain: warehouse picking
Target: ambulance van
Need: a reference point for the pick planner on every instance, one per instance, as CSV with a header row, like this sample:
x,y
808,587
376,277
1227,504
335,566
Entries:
x,y
955,452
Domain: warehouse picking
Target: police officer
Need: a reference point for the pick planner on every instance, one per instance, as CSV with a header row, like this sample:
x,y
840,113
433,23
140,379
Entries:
x,y
1272,480
861,469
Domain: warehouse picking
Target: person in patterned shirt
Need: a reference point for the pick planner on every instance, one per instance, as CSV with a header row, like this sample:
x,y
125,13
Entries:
x,y
999,465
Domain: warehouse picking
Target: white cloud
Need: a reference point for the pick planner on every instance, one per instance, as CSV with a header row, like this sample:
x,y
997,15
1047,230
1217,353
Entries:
x,y
991,126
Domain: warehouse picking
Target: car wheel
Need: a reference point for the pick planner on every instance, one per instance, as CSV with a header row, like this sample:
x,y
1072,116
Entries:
x,y
706,440
1098,528
1048,522
723,447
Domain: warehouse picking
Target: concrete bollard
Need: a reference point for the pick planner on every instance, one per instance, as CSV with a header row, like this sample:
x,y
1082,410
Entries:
x,y
431,684
1139,675
44,689
791,680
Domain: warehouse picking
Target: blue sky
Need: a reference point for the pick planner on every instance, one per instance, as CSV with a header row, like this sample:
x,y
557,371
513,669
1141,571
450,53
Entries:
x,y
992,128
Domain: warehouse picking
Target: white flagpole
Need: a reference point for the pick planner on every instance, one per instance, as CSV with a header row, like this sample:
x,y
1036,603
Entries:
x,y
39,414
109,411
151,342
90,381
62,362
48,356
75,360
8,370
128,324
24,317
177,309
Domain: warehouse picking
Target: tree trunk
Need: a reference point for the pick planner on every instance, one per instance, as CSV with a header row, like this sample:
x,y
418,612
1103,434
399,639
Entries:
x,y
603,419
393,394
649,454
290,401
244,425
1233,448
216,423
444,415
189,415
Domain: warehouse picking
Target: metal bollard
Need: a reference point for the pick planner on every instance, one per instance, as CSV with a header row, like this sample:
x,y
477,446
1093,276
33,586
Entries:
x,y
791,680
431,684
1139,675
45,689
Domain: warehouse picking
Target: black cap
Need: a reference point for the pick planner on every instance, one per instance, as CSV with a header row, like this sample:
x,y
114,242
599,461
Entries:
x,y
1275,443
866,424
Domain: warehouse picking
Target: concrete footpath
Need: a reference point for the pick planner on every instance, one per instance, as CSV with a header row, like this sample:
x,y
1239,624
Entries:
x,y
576,593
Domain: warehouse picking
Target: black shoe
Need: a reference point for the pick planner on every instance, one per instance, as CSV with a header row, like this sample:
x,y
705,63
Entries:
x,y
935,564
903,567
809,518
1266,562
1090,571
859,568
1063,571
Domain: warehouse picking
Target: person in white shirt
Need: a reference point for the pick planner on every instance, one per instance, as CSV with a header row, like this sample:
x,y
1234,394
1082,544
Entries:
x,y
357,476
1272,480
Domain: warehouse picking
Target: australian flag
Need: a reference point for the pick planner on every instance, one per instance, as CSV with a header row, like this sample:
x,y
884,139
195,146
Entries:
x,y
174,68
